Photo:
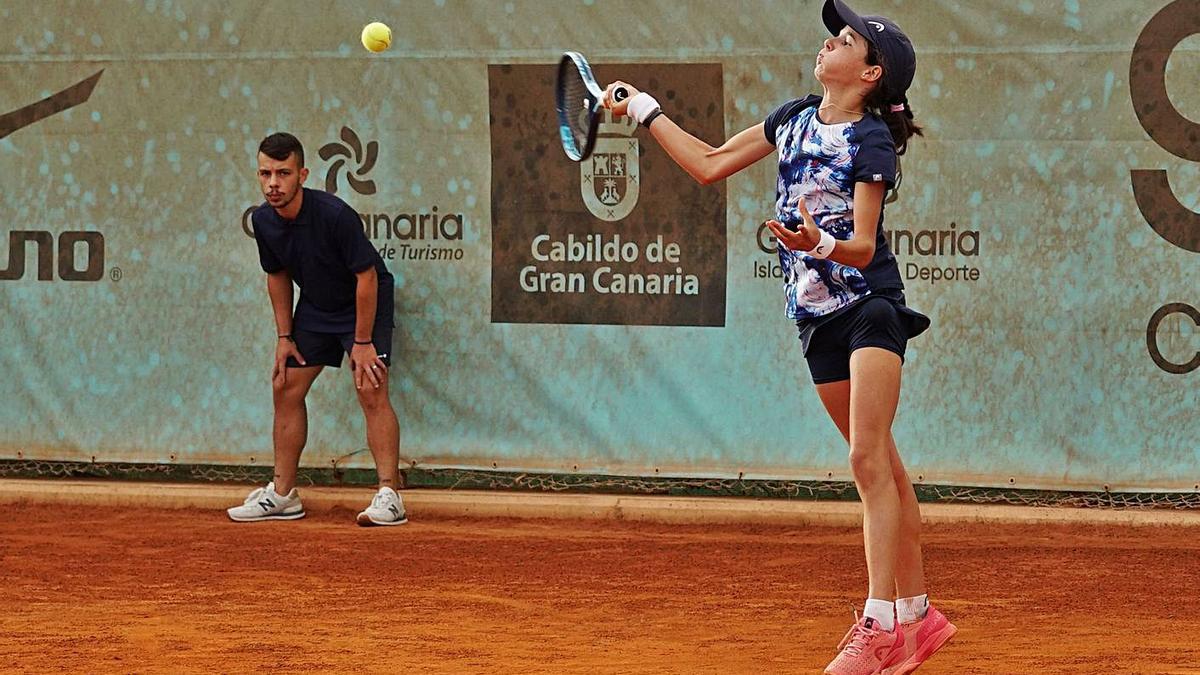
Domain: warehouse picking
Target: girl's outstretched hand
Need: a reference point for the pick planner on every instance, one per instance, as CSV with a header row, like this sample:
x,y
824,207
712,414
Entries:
x,y
804,238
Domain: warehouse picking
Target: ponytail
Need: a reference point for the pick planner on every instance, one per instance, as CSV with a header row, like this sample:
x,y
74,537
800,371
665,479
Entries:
x,y
896,113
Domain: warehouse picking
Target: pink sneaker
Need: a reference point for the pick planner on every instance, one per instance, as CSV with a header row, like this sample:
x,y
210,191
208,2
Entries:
x,y
922,638
866,650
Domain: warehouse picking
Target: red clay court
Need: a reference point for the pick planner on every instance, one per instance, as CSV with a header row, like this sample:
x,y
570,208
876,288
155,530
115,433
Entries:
x,y
151,590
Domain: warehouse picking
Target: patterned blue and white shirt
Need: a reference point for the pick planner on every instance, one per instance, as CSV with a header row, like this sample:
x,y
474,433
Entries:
x,y
820,163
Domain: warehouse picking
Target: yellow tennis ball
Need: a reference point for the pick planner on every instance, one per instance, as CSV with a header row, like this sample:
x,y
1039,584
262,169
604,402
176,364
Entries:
x,y
376,36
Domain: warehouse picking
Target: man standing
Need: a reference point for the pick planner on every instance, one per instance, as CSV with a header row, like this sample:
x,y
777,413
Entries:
x,y
316,240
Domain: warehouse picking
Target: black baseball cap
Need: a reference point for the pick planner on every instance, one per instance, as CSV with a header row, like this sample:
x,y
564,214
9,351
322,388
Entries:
x,y
899,59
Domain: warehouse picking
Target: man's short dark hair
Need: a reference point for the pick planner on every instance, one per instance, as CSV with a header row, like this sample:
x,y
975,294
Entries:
x,y
282,145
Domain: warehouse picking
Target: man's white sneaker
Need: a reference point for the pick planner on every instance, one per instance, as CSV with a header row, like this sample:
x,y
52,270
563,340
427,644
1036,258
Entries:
x,y
385,509
264,504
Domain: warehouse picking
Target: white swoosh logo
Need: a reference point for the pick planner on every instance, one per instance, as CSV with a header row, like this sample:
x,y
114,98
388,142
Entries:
x,y
878,26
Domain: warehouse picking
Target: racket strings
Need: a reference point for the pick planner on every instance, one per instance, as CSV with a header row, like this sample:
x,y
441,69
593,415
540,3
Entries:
x,y
577,105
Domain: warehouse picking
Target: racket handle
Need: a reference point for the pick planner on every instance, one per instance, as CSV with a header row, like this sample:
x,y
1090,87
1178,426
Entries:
x,y
620,94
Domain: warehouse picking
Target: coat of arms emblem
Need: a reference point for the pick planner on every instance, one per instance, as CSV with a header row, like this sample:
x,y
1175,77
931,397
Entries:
x,y
609,178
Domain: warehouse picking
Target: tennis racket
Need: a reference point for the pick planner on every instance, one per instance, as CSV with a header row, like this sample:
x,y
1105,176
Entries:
x,y
579,101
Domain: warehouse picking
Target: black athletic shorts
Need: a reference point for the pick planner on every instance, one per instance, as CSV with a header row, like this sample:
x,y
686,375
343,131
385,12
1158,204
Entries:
x,y
327,349
875,321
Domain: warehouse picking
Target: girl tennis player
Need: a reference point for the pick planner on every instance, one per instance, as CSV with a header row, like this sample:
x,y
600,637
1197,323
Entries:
x,y
837,158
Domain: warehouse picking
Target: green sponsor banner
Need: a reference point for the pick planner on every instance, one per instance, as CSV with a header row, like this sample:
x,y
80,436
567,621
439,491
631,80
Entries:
x,y
610,317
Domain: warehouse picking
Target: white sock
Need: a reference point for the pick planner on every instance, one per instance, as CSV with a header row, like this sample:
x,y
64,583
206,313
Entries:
x,y
883,612
912,609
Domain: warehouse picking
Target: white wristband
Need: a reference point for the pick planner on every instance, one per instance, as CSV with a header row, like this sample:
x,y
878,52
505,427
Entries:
x,y
824,247
641,106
